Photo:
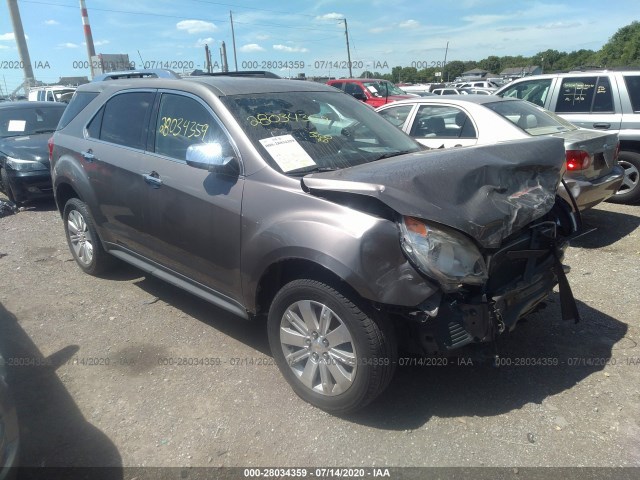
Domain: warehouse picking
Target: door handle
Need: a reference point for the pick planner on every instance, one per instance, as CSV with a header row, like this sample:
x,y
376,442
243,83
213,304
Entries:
x,y
152,179
603,126
88,155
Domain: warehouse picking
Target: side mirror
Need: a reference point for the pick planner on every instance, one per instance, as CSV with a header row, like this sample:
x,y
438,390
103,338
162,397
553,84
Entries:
x,y
359,96
209,156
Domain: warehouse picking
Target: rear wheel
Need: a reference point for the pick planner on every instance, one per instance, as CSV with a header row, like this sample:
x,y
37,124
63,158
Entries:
x,y
629,191
333,354
83,239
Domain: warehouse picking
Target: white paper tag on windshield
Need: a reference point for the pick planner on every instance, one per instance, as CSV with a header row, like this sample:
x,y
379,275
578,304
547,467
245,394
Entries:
x,y
287,152
371,88
16,125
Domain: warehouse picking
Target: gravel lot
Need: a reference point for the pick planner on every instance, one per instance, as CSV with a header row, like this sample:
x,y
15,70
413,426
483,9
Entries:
x,y
99,388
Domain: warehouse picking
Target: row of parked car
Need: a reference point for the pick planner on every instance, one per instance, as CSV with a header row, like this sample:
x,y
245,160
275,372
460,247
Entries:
x,y
351,238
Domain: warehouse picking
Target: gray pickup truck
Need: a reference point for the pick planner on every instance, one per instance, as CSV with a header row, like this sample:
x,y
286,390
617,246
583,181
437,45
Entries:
x,y
597,99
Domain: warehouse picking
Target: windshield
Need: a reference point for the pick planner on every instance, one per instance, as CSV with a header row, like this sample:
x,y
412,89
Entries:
x,y
382,88
301,132
531,118
23,120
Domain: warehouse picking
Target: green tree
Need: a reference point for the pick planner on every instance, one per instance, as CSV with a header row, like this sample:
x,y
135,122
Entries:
x,y
623,49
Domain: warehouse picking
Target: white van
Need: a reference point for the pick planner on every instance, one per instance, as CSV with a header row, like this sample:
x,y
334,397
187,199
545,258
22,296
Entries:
x,y
55,93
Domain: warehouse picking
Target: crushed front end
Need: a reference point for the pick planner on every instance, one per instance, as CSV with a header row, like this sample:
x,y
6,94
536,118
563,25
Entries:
x,y
503,285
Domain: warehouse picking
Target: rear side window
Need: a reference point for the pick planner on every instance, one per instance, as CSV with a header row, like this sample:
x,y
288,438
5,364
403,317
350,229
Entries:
x,y
125,119
339,85
76,105
442,121
585,95
633,87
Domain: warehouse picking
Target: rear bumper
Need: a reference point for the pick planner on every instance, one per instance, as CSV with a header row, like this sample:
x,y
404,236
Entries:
x,y
588,193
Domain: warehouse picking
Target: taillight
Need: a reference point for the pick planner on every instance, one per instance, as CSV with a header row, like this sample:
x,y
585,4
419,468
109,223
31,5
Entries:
x,y
50,144
578,160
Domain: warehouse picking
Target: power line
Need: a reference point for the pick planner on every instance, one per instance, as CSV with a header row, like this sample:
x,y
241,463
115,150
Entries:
x,y
130,12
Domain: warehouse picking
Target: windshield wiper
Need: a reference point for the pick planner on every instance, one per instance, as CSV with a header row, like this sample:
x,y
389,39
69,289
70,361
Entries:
x,y
393,154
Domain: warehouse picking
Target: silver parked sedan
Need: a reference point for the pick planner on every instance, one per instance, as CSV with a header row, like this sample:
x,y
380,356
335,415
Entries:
x,y
592,175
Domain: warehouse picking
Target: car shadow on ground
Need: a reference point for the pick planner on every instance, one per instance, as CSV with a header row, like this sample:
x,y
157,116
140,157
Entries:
x,y
250,332
565,353
610,227
543,357
53,431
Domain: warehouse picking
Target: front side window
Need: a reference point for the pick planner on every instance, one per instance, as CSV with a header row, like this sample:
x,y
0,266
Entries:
x,y
442,121
125,119
182,122
382,88
534,91
585,95
301,132
396,115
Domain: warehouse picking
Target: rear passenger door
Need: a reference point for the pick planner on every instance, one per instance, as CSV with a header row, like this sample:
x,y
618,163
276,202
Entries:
x,y
193,217
113,155
589,101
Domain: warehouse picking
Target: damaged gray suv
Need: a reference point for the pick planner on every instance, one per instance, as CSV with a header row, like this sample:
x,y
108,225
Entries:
x,y
291,200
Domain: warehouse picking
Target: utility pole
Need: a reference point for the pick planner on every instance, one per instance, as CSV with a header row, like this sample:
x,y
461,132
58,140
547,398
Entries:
x,y
223,54
23,51
233,36
346,33
91,52
444,64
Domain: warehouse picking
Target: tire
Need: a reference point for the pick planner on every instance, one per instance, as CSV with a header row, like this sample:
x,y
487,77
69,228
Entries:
x,y
339,365
83,240
629,191
6,186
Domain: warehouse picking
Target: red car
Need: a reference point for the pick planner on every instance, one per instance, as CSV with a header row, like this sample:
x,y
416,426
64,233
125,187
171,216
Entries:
x,y
370,90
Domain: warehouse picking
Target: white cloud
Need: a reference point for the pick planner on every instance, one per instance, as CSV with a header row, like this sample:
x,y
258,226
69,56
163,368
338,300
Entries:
x,y
68,45
196,26
51,22
285,48
99,43
7,36
409,24
3,47
204,41
262,37
379,29
251,47
330,16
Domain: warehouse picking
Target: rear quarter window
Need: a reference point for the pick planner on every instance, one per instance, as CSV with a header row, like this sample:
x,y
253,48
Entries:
x,y
633,87
585,95
79,101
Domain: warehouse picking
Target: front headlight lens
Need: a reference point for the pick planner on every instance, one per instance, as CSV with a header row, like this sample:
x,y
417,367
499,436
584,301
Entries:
x,y
24,165
443,254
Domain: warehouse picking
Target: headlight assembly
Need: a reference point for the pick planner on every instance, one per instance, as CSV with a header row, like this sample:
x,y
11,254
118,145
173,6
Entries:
x,y
442,254
24,165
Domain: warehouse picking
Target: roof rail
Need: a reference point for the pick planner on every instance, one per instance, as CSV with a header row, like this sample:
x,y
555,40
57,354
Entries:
x,y
150,73
241,73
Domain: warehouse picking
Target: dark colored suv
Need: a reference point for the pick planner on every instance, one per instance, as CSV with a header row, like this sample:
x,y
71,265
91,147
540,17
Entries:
x,y
292,201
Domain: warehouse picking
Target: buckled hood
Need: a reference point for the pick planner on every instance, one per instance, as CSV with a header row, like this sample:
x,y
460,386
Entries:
x,y
488,192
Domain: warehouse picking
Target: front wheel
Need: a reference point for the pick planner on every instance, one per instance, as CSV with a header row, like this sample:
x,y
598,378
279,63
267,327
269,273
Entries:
x,y
629,191
333,354
83,239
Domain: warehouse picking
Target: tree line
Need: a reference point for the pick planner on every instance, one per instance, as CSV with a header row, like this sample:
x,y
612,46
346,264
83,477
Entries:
x,y
622,50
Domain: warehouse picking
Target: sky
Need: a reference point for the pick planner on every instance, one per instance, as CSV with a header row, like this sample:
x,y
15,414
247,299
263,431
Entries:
x,y
291,37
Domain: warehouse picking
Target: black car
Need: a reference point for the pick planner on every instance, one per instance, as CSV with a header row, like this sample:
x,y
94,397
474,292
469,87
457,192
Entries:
x,y
25,128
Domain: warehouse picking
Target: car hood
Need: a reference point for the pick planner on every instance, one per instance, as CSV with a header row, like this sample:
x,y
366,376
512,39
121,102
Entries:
x,y
27,147
488,192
